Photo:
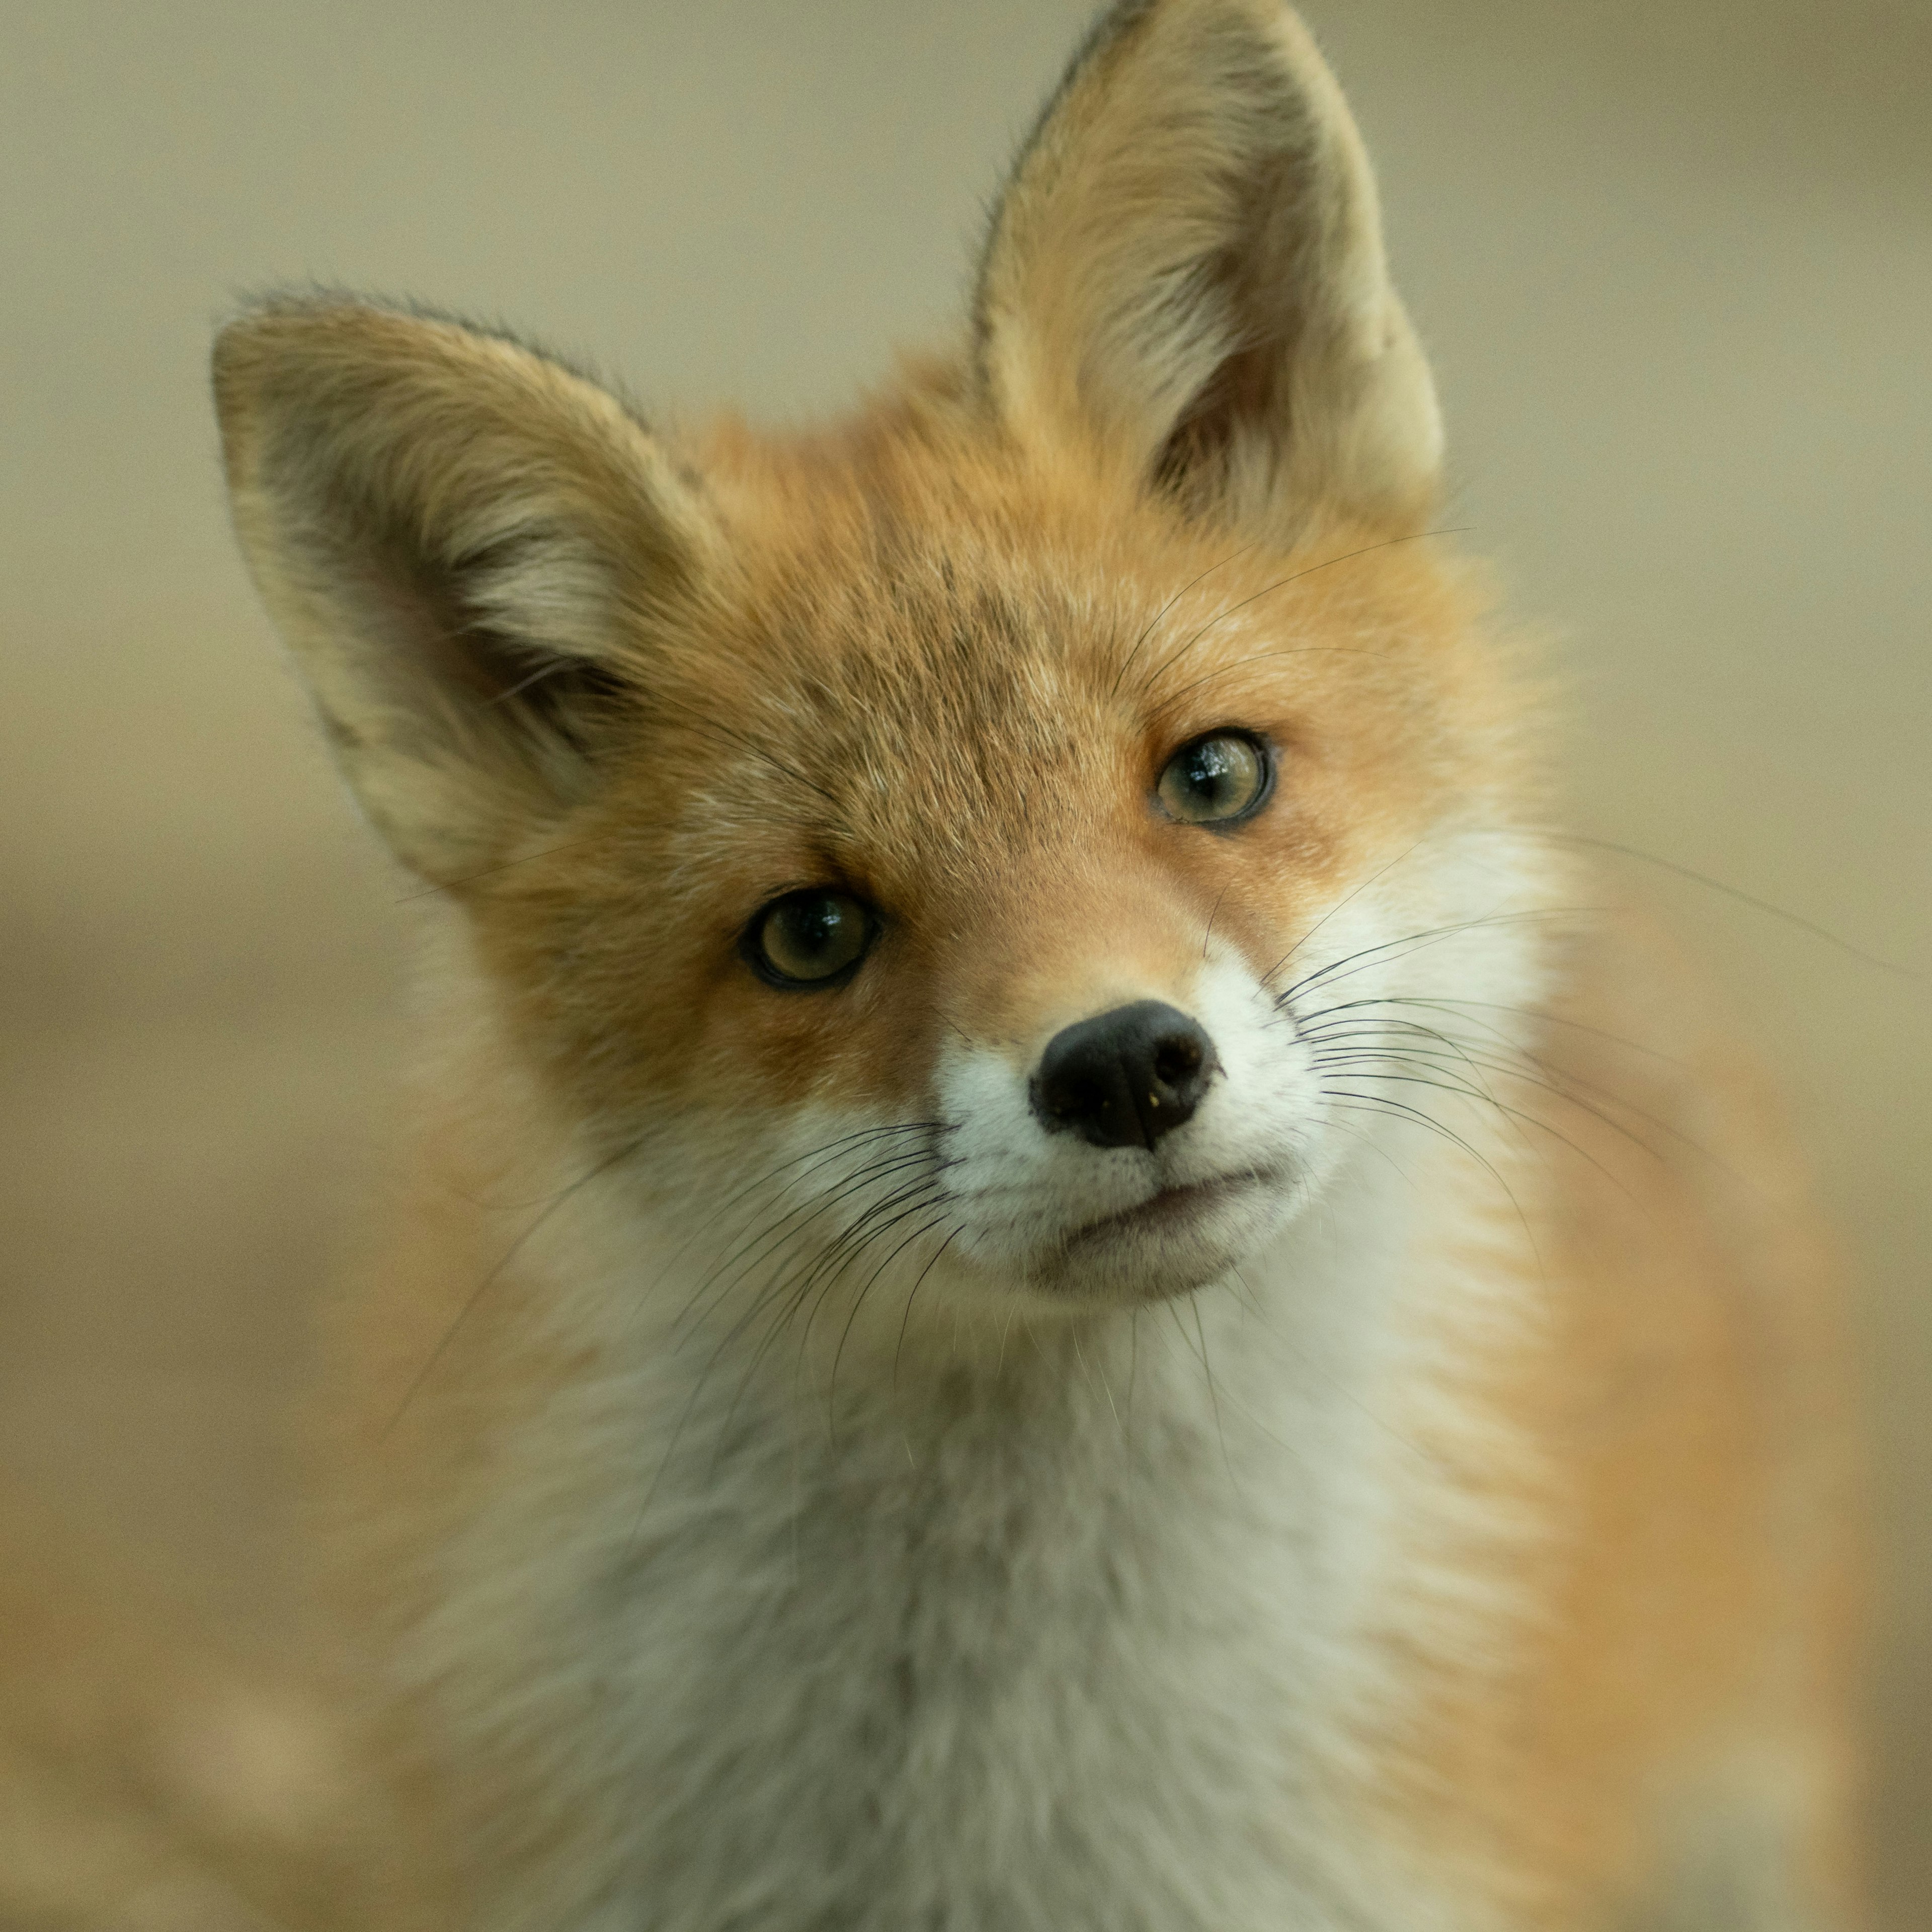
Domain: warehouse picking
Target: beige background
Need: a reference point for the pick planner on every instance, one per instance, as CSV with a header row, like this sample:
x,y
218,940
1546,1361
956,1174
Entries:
x,y
1675,261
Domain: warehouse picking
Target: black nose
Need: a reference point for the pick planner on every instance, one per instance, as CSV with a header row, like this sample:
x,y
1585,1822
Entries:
x,y
1126,1078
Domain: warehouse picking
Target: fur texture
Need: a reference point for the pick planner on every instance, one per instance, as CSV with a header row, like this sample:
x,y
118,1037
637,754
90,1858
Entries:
x,y
780,1479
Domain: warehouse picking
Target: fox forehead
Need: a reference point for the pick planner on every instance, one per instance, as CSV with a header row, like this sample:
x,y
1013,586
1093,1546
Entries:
x,y
927,673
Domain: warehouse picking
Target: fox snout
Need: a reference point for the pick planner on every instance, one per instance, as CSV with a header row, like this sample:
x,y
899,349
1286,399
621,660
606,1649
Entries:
x,y
1124,1079
1135,1151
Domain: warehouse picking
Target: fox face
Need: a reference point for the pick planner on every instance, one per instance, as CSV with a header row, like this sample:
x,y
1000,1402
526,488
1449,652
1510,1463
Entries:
x,y
980,855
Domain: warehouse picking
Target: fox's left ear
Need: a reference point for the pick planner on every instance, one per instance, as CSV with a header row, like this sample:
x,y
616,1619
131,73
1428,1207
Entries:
x,y
1186,276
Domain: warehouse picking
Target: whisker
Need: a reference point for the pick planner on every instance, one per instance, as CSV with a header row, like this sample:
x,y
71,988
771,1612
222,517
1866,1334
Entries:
x,y
877,1219
769,1237
1558,1082
1222,671
1401,1111
1357,961
1559,1085
1294,576
764,1237
1335,1383
1153,622
1212,916
1750,899
858,1302
825,1265
1444,1001
1213,1396
1516,1113
819,1156
774,1291
510,1254
906,1315
1079,1356
773,1329
1337,907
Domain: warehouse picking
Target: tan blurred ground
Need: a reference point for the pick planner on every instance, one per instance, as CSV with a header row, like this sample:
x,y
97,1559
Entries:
x,y
1674,262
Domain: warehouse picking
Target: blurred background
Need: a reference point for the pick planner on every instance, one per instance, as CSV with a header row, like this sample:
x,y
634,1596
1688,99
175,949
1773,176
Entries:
x,y
1673,259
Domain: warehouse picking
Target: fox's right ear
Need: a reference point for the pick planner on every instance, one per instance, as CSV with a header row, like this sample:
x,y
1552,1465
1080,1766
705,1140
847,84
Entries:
x,y
464,543
1185,278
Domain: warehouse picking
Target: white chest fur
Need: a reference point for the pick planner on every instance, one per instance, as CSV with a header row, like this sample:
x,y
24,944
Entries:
x,y
1085,1643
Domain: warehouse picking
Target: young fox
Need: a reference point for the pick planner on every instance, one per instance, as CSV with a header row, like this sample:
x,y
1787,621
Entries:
x,y
1054,1269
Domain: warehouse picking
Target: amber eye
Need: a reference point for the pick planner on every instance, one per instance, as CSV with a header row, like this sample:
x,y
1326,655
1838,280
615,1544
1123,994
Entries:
x,y
1218,779
813,939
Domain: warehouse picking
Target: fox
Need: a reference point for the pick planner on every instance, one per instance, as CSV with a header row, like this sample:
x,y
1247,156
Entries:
x,y
1054,1261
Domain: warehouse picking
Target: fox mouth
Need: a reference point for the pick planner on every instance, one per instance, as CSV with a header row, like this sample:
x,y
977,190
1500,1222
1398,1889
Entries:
x,y
1170,1210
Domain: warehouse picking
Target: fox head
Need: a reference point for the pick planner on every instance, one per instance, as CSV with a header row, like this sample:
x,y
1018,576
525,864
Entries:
x,y
955,849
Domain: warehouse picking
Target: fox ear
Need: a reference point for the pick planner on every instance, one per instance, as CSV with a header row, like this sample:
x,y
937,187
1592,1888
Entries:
x,y
1185,274
461,541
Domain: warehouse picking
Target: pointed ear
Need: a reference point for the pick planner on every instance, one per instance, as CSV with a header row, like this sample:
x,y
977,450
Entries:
x,y
1186,275
464,543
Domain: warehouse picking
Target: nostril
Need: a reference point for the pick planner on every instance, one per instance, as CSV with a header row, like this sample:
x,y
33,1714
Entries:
x,y
1124,1077
1176,1056
1074,1094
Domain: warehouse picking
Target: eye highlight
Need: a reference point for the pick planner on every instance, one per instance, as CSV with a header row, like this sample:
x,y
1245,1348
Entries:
x,y
1220,779
809,941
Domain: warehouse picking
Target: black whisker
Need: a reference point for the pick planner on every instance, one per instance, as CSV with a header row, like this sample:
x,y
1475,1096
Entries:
x,y
781,1287
1565,1085
1515,1114
1400,1110
1444,1001
1121,671
1337,907
906,1316
824,1151
858,1301
1415,941
765,1235
1212,916
786,1293
1294,576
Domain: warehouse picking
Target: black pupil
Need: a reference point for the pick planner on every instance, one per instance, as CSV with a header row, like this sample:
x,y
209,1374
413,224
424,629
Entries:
x,y
1215,774
813,927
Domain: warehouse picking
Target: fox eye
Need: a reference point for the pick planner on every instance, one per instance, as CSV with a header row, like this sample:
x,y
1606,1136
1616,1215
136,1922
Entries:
x,y
1218,779
813,939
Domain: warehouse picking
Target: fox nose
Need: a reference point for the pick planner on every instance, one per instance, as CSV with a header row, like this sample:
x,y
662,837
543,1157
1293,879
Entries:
x,y
1124,1077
